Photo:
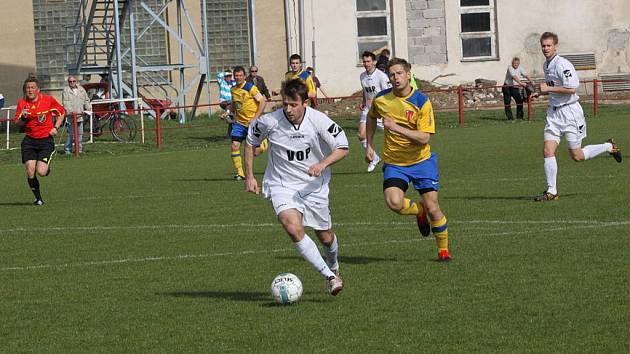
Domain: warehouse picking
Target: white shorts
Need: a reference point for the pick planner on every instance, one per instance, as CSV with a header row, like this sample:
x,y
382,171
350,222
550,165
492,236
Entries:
x,y
568,121
314,208
363,120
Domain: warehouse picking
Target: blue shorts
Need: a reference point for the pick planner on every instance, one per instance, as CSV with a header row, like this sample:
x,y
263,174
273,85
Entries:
x,y
423,175
239,132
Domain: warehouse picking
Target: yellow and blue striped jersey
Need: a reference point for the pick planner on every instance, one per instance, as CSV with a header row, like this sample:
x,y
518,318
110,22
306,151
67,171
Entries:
x,y
244,103
412,112
305,76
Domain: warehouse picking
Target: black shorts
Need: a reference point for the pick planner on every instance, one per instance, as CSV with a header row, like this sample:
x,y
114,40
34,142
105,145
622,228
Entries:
x,y
37,149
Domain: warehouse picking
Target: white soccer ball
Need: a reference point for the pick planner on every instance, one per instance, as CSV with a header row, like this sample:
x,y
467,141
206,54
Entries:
x,y
286,288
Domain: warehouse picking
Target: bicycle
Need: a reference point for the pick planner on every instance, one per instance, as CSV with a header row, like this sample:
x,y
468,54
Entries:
x,y
120,124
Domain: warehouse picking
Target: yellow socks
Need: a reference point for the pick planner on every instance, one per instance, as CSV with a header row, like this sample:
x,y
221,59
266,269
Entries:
x,y
440,230
410,208
238,163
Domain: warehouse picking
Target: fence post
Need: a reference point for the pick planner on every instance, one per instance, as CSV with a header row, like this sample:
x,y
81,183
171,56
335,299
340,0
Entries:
x,y
460,104
529,108
8,130
158,128
75,133
595,97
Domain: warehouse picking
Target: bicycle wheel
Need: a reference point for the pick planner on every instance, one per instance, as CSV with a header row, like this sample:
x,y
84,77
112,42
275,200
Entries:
x,y
123,128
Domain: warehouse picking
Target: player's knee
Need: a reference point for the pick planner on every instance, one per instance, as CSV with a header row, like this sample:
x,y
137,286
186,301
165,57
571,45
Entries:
x,y
394,203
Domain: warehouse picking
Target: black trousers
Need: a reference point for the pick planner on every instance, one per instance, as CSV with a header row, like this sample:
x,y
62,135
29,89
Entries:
x,y
508,94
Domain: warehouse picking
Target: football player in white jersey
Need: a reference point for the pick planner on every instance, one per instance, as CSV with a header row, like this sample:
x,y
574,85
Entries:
x,y
303,144
564,116
373,81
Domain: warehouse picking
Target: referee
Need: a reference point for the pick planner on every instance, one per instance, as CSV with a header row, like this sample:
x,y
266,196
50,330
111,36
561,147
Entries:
x,y
36,110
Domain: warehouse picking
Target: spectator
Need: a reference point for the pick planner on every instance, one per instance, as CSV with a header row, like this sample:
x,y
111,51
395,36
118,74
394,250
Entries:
x,y
225,81
514,87
258,81
383,60
1,101
318,86
75,102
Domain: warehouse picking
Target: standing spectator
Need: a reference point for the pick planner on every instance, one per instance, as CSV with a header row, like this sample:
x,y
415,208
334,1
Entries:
x,y
42,116
383,60
75,102
318,86
513,86
258,81
225,81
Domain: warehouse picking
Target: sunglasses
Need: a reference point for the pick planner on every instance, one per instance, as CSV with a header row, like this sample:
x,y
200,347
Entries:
x,y
71,81
253,71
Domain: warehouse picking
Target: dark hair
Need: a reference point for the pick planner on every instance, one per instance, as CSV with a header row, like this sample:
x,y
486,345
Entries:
x,y
31,78
385,52
368,54
238,68
295,56
399,61
548,35
310,68
295,88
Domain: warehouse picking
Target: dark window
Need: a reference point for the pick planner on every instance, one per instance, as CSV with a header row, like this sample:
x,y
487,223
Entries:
x,y
464,3
371,5
372,26
477,47
476,22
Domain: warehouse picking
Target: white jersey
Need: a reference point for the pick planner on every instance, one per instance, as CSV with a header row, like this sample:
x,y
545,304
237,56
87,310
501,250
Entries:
x,y
559,72
293,149
372,84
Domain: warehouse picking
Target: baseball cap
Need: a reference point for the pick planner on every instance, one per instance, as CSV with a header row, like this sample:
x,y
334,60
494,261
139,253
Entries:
x,y
227,72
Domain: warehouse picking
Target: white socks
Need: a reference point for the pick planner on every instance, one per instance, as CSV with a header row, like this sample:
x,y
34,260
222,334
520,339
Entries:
x,y
551,172
364,143
309,251
591,151
330,254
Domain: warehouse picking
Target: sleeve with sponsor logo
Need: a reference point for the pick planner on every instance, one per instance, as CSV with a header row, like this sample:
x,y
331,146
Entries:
x,y
258,131
55,107
332,133
567,74
426,123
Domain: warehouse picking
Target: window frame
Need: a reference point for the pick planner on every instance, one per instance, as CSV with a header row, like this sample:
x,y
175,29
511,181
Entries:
x,y
491,33
387,13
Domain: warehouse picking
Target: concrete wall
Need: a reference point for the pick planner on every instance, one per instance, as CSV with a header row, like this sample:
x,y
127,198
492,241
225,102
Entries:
x,y
17,42
582,26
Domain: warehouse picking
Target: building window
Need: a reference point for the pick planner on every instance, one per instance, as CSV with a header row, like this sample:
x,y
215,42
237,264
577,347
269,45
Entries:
x,y
373,25
478,29
229,38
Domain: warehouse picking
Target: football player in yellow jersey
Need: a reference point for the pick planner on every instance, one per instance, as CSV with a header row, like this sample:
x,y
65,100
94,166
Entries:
x,y
409,123
247,104
296,72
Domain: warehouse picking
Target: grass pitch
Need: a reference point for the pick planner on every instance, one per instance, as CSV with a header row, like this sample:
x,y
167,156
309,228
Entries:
x,y
145,251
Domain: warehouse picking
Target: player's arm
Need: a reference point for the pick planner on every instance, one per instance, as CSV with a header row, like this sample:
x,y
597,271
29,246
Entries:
x,y
370,129
335,156
58,113
312,90
251,185
546,89
419,137
363,99
261,104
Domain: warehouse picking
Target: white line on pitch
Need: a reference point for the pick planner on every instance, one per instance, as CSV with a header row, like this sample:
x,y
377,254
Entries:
x,y
258,225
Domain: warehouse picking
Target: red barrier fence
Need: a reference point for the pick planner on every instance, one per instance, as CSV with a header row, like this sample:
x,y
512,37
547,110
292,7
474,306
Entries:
x,y
450,99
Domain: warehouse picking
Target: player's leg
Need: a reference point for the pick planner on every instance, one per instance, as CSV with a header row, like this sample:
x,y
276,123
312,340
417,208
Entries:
x,y
239,133
507,102
33,182
361,134
439,224
291,220
394,187
551,140
330,245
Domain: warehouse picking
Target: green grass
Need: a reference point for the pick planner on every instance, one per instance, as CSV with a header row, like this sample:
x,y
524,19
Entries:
x,y
146,251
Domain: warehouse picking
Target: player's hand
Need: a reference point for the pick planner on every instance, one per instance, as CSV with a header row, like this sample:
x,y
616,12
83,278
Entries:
x,y
369,154
544,87
316,170
362,106
534,94
251,185
389,123
53,131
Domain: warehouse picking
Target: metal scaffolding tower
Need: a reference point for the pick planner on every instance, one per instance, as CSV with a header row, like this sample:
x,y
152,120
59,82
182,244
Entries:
x,y
104,40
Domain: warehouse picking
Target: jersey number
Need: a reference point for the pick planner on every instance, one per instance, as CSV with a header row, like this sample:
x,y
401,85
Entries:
x,y
257,131
370,89
298,155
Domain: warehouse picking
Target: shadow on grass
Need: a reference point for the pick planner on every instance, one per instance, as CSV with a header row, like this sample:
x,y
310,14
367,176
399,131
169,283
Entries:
x,y
349,260
250,296
211,139
15,203
205,179
499,197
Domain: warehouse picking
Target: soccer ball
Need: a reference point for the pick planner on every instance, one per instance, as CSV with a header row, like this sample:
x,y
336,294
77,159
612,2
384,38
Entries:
x,y
286,288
